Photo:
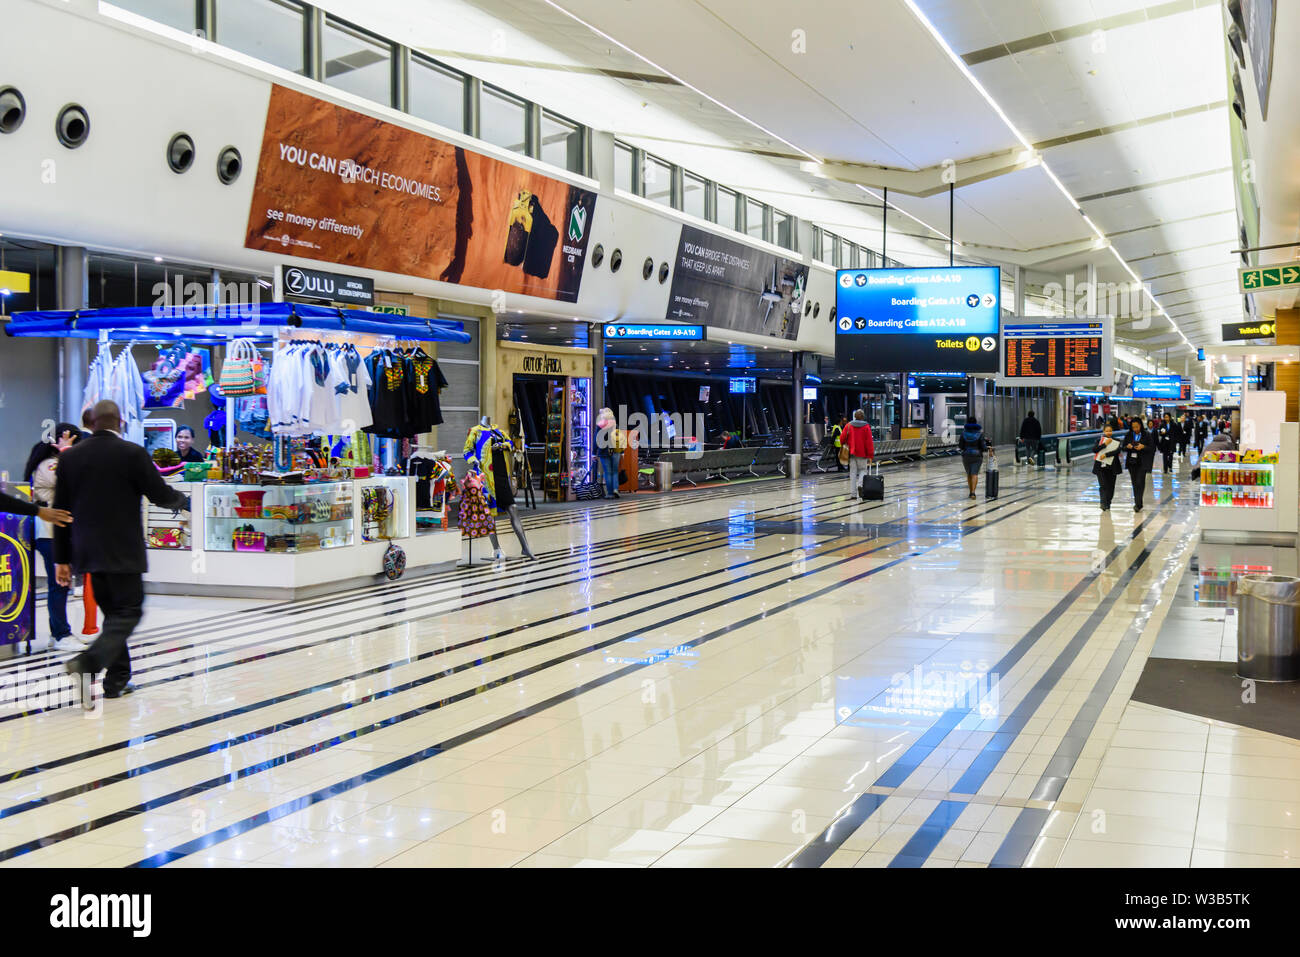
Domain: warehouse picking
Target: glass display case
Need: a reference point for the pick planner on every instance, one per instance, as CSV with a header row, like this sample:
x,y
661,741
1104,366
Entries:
x,y
555,480
277,518
383,508
165,529
580,450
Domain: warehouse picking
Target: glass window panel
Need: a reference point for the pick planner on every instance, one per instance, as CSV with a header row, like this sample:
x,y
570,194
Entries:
x,y
753,218
782,232
658,180
693,189
561,142
357,62
827,254
269,30
623,167
173,13
437,94
727,208
502,120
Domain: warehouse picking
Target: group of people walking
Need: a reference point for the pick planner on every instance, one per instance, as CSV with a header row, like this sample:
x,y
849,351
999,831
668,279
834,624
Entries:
x,y
1133,449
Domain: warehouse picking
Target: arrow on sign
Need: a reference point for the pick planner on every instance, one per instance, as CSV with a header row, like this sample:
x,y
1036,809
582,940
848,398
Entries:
x,y
1290,274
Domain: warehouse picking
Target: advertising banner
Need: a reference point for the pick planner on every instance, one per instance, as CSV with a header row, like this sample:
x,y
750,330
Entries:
x,y
341,187
17,579
895,319
723,283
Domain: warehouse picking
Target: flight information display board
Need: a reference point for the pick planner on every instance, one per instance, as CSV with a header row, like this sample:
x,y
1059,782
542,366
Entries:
x,y
1066,353
939,317
1054,350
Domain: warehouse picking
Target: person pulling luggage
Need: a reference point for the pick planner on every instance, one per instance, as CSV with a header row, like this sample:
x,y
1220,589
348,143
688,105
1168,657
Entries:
x,y
857,438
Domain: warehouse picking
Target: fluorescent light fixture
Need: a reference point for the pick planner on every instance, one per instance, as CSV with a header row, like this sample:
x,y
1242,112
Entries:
x,y
965,70
695,89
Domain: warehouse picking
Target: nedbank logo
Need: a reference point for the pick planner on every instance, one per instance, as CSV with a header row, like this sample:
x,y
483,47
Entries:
x,y
577,223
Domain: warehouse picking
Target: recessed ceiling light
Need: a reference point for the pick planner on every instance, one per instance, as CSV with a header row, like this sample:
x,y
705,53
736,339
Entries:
x,y
157,259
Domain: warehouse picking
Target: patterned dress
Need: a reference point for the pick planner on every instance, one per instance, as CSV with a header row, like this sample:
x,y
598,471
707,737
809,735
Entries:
x,y
476,519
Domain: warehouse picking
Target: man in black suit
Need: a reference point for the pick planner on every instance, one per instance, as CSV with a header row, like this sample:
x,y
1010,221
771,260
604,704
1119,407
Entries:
x,y
100,481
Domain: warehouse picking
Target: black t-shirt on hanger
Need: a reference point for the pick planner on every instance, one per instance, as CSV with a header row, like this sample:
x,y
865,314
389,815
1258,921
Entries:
x,y
423,380
388,375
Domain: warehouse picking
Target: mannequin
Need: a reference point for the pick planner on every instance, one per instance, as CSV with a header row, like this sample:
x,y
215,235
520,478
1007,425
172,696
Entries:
x,y
488,450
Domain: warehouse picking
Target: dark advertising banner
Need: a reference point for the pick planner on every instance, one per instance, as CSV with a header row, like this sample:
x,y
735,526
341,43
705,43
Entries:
x,y
1241,331
723,283
17,609
938,317
341,187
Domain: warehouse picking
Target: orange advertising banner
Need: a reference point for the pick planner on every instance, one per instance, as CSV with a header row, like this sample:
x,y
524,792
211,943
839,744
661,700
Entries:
x,y
341,187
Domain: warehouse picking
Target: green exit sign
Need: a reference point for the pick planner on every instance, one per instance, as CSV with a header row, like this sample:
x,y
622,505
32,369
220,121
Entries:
x,y
1261,278
390,310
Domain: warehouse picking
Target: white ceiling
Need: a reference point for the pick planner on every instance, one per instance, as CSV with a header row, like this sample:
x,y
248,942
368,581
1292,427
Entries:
x,y
1124,100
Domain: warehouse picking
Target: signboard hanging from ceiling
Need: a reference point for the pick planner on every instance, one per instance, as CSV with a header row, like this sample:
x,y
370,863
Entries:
x,y
943,318
1239,331
1062,354
1168,387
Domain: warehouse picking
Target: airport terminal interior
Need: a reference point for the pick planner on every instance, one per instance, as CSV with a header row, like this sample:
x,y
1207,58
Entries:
x,y
677,434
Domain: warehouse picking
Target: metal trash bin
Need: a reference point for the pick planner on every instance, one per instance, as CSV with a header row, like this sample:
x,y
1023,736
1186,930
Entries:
x,y
664,476
793,465
1268,628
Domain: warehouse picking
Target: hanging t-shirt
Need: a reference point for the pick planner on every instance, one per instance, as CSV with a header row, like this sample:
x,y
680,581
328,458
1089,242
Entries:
x,y
353,393
326,377
423,380
387,394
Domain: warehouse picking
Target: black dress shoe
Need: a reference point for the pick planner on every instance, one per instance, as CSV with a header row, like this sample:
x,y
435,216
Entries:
x,y
122,692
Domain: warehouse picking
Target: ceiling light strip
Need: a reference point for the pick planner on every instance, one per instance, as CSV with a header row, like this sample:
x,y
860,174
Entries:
x,y
689,86
965,70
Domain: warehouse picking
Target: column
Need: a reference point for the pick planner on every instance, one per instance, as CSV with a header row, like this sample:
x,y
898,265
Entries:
x,y
72,273
1286,376
487,365
597,339
796,417
1092,290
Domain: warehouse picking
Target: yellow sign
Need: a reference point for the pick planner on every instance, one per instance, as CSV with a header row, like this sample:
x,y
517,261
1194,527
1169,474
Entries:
x,y
15,282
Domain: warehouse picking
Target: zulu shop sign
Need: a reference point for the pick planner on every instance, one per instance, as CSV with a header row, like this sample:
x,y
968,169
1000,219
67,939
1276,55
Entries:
x,y
314,284
542,364
1237,331
723,283
337,186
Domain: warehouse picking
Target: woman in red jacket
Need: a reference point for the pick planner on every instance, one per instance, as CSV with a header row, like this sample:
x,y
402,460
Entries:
x,y
857,439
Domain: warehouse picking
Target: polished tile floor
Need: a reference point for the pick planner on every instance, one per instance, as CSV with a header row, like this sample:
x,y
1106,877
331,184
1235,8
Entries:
x,y
772,674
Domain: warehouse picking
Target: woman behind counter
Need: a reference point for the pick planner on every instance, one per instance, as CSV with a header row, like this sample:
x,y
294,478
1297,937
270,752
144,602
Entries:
x,y
185,446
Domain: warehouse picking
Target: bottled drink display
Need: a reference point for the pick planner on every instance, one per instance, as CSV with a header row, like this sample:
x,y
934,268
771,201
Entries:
x,y
1237,480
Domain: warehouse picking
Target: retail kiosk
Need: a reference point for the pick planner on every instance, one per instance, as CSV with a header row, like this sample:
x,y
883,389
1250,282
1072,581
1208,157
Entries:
x,y
262,539
1250,495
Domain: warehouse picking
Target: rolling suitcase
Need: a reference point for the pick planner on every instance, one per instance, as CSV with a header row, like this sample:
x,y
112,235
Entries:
x,y
871,487
991,477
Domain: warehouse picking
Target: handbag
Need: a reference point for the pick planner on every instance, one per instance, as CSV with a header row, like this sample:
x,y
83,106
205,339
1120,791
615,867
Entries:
x,y
844,455
239,373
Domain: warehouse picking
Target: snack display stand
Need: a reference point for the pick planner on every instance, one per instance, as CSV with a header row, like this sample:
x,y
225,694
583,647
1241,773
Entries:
x,y
278,540
1250,496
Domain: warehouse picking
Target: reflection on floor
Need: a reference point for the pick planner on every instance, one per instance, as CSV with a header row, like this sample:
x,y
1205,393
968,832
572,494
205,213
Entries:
x,y
769,675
